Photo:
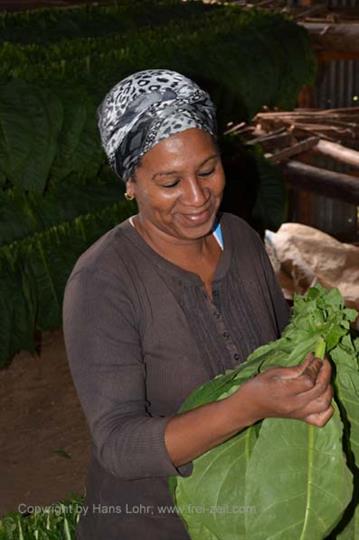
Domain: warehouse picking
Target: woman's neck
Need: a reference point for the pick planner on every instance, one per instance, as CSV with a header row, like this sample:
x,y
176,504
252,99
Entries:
x,y
189,254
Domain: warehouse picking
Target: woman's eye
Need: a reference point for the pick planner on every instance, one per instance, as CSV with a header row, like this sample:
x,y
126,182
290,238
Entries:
x,y
171,184
207,173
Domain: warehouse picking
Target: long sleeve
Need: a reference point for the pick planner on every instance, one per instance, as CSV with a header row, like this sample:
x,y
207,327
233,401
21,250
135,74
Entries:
x,y
104,351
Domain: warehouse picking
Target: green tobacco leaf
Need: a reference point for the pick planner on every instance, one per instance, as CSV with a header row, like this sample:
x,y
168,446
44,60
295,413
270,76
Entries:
x,y
347,384
346,358
75,116
30,122
222,385
319,312
37,267
17,217
298,480
351,531
33,273
79,149
212,499
23,214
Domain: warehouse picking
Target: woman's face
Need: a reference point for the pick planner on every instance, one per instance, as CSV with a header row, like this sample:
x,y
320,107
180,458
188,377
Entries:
x,y
179,184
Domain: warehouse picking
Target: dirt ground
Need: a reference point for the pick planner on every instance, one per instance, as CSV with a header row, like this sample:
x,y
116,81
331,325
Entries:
x,y
44,443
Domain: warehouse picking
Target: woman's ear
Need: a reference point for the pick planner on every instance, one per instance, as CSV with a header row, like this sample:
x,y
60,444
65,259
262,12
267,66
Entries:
x,y
130,187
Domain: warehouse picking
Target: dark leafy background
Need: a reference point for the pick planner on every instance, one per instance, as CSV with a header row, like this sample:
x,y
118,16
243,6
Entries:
x,y
57,194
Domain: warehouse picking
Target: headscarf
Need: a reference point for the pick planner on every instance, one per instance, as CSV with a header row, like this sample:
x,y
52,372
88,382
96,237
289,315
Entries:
x,y
146,108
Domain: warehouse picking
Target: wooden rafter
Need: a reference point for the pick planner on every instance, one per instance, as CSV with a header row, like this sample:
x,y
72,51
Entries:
x,y
288,137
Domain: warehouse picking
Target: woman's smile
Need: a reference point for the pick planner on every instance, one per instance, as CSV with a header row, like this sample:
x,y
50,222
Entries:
x,y
197,218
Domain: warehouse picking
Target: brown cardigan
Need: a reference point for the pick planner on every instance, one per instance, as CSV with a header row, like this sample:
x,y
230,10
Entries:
x,y
140,335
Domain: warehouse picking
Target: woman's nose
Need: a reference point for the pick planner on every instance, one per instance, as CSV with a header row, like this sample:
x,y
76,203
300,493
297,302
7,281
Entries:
x,y
194,194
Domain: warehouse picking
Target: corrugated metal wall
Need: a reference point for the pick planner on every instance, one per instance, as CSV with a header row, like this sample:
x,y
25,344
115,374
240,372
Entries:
x,y
342,3
337,86
339,80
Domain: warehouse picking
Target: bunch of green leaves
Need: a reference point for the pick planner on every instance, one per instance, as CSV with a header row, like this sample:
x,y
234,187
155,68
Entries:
x,y
54,522
92,20
221,51
34,271
283,478
48,131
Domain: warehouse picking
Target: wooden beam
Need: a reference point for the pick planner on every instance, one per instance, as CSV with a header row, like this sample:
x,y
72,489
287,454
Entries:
x,y
338,152
343,112
330,56
293,150
338,125
330,184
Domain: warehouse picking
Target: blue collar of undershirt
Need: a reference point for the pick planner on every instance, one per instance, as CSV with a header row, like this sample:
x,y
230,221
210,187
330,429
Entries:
x,y
217,233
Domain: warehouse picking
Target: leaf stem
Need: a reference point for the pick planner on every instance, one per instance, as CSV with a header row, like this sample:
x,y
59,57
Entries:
x,y
319,350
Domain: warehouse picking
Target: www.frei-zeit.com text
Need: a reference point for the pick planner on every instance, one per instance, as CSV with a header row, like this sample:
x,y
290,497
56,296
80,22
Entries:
x,y
139,509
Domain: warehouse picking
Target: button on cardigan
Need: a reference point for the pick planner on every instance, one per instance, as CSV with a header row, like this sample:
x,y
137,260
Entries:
x,y
141,334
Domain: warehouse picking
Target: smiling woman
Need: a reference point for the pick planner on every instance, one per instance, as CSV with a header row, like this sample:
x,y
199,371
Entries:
x,y
178,188
164,302
179,185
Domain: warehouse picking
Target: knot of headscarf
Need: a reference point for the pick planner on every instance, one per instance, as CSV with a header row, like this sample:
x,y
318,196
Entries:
x,y
144,109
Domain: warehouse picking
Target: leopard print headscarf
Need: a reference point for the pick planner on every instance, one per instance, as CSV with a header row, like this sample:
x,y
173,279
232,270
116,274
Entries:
x,y
146,108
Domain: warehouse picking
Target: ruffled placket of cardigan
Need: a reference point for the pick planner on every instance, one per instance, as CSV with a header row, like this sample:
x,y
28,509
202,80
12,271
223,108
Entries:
x,y
211,332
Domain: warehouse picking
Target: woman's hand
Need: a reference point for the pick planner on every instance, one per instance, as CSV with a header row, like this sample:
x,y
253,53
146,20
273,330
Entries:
x,y
302,392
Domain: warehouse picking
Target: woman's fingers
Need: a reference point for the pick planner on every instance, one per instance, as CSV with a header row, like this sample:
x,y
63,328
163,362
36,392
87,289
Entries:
x,y
320,419
321,384
309,368
313,368
292,380
319,404
325,373
302,377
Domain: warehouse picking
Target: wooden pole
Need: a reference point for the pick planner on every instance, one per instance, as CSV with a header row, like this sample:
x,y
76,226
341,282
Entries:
x,y
328,183
295,149
338,152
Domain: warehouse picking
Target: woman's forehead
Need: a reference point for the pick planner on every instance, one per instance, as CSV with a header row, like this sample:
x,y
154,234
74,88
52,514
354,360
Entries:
x,y
186,149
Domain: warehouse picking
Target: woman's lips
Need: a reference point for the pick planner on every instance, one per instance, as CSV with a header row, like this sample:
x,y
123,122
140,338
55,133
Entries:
x,y
197,218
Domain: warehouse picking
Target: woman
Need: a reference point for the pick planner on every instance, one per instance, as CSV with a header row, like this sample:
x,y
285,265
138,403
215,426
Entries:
x,y
164,302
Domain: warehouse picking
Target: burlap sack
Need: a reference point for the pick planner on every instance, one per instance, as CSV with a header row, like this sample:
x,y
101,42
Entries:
x,y
303,256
